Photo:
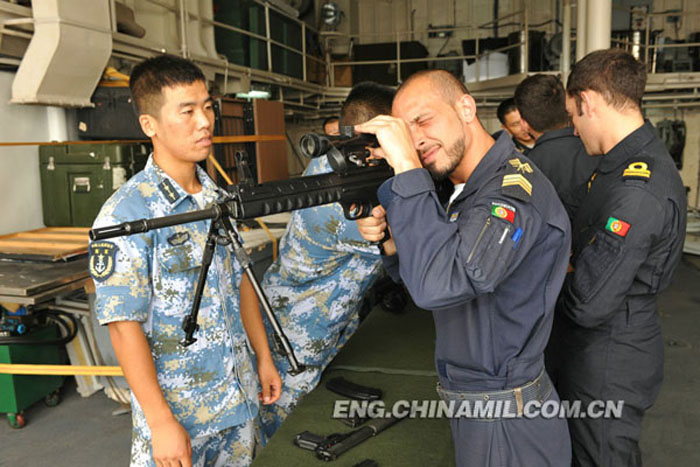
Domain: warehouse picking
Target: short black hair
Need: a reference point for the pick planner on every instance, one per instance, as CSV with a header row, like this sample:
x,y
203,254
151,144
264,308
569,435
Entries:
x,y
365,101
541,101
613,73
149,77
504,108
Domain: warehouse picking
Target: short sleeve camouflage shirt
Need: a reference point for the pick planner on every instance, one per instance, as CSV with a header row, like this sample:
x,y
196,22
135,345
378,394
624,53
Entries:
x,y
150,278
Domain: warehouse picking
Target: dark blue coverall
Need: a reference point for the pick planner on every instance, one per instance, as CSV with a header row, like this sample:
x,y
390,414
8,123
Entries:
x,y
563,159
520,147
492,281
627,241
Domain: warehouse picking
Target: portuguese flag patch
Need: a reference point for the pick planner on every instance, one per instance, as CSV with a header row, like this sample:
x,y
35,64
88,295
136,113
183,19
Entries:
x,y
617,226
503,211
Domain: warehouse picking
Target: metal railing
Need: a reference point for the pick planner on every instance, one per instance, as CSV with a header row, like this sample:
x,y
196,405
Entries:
x,y
185,16
649,50
523,45
297,89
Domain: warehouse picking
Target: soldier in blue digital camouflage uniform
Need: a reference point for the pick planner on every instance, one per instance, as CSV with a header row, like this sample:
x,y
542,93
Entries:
x,y
194,405
325,267
489,265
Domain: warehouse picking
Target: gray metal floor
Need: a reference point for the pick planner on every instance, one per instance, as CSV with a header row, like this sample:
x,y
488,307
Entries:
x,y
83,432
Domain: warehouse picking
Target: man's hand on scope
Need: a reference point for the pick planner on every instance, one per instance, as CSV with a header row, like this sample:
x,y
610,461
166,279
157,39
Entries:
x,y
372,229
394,137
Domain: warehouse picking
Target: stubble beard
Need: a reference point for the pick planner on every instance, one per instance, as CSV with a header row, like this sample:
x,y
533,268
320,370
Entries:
x,y
455,154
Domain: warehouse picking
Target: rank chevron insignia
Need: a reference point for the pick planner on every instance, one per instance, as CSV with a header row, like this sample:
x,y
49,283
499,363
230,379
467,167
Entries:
x,y
519,166
638,170
517,180
515,184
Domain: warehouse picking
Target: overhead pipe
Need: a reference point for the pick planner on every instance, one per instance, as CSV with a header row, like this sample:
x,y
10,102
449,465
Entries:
x,y
581,29
599,22
184,50
565,61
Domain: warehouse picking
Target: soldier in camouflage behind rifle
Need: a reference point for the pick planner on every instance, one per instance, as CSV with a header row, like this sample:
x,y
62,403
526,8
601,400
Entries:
x,y
194,405
325,267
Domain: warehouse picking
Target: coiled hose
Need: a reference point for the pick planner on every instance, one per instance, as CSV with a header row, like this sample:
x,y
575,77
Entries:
x,y
65,321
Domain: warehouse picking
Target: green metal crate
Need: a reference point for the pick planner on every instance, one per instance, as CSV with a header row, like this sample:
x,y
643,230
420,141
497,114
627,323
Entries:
x,y
77,179
18,392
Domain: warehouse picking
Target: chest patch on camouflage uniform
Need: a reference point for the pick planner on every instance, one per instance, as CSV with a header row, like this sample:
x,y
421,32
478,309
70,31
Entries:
x,y
640,170
102,257
503,211
168,190
617,226
515,183
179,238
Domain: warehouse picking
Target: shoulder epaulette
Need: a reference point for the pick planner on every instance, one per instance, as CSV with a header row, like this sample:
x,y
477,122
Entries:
x,y
515,182
638,169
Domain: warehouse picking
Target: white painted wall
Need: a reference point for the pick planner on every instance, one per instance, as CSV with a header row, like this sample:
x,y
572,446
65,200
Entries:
x,y
20,189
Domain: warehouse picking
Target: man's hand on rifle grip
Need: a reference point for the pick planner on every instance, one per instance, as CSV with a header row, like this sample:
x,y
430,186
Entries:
x,y
374,229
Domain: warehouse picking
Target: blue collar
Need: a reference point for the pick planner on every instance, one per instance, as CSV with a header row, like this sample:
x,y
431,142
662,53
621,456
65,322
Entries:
x,y
171,192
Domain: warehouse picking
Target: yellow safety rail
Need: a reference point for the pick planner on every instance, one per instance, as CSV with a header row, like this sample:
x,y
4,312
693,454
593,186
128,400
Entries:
x,y
60,370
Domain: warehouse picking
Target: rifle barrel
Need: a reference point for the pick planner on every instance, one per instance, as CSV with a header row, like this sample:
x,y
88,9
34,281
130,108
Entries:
x,y
144,225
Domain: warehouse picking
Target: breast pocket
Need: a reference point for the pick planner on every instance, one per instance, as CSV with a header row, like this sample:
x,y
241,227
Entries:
x,y
490,254
596,264
177,274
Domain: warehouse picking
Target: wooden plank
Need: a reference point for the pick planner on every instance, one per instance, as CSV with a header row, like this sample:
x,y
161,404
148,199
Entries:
x,y
34,244
38,241
84,230
51,243
52,251
46,237
75,237
53,230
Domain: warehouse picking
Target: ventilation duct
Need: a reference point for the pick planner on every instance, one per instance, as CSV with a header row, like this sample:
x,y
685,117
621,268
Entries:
x,y
69,50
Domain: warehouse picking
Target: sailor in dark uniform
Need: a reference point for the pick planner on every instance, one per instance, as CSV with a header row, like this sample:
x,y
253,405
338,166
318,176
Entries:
x,y
490,265
511,123
627,241
560,154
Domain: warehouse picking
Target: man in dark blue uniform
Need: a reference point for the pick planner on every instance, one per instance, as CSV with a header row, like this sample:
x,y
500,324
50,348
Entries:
x,y
511,122
559,153
627,240
490,265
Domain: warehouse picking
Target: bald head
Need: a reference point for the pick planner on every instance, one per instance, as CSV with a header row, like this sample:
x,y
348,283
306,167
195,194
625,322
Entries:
x,y
442,82
441,116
